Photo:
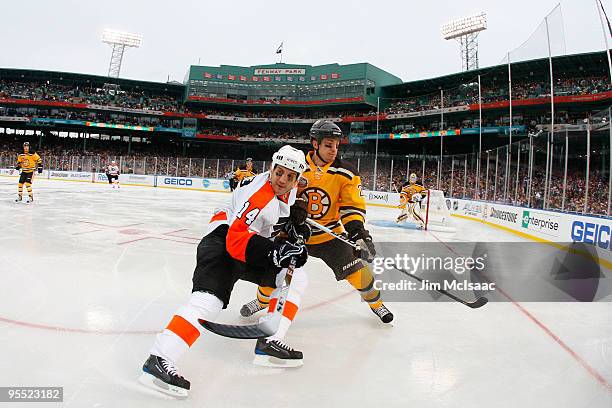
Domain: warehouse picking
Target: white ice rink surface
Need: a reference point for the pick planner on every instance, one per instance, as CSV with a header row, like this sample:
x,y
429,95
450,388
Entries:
x,y
89,275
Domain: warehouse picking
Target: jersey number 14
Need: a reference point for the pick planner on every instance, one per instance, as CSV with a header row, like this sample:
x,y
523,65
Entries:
x,y
250,216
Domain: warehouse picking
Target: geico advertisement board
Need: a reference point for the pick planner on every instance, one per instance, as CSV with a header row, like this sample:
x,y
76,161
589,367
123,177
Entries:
x,y
591,230
182,182
191,183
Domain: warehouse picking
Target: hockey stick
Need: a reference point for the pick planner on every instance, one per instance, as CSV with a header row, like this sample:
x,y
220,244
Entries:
x,y
481,301
256,331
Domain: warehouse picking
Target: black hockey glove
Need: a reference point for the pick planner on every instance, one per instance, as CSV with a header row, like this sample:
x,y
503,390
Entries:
x,y
297,233
39,169
281,254
362,237
298,212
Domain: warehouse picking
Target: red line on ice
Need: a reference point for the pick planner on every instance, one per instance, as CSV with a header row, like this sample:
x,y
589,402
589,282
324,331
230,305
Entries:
x,y
91,331
171,234
160,238
111,226
72,330
327,302
86,232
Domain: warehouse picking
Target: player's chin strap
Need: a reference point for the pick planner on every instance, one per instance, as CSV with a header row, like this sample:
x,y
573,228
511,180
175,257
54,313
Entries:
x,y
481,301
319,156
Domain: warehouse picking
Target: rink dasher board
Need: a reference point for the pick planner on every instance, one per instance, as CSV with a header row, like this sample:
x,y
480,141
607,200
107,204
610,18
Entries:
x,y
373,198
183,183
546,226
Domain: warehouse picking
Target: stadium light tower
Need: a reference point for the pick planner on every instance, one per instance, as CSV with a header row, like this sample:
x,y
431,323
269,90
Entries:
x,y
466,30
119,41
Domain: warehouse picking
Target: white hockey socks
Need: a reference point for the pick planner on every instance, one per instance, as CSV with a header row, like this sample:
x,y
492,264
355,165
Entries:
x,y
183,330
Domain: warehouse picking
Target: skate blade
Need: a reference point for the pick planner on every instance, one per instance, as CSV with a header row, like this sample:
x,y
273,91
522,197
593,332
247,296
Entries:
x,y
150,381
269,361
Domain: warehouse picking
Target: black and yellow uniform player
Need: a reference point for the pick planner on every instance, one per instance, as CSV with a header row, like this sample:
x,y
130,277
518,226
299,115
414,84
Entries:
x,y
27,162
241,174
410,201
332,197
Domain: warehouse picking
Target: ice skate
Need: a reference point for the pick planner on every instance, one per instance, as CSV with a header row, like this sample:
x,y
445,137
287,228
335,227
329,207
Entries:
x,y
274,353
162,376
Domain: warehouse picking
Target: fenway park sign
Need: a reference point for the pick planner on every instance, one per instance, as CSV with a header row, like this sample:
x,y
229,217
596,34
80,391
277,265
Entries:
x,y
280,71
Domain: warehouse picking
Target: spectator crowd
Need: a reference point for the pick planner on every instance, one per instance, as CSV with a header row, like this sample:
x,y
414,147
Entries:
x,y
468,94
143,100
457,180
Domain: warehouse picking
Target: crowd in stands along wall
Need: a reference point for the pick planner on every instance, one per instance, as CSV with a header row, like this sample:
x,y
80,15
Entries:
x,y
47,91
459,96
468,94
68,154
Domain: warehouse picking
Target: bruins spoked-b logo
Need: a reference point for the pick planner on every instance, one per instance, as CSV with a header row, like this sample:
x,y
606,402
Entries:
x,y
318,202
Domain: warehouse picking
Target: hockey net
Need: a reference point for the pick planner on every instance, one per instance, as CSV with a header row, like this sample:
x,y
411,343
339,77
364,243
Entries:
x,y
436,213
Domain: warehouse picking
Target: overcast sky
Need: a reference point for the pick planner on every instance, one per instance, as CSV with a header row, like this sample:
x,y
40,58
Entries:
x,y
402,37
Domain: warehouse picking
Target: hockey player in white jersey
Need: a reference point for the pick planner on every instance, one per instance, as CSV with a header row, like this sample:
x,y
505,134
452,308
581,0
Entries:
x,y
241,243
112,173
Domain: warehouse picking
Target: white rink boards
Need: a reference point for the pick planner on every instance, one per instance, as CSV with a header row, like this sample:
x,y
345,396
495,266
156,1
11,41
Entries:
x,y
91,274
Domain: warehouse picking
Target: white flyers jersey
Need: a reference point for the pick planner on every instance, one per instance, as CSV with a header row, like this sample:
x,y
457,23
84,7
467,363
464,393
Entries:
x,y
255,210
112,170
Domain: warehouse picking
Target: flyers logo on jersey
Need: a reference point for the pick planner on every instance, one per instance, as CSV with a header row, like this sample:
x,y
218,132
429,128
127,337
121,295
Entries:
x,y
318,202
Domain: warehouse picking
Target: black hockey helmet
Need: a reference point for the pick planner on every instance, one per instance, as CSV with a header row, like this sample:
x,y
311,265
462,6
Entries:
x,y
26,144
324,129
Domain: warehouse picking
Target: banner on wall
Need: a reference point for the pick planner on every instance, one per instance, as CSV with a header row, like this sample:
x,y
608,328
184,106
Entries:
x,y
552,226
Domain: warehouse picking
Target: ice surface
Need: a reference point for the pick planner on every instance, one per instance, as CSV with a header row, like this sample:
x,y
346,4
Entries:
x,y
90,274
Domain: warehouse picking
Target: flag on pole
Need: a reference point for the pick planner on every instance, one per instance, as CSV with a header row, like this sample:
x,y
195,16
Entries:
x,y
279,50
